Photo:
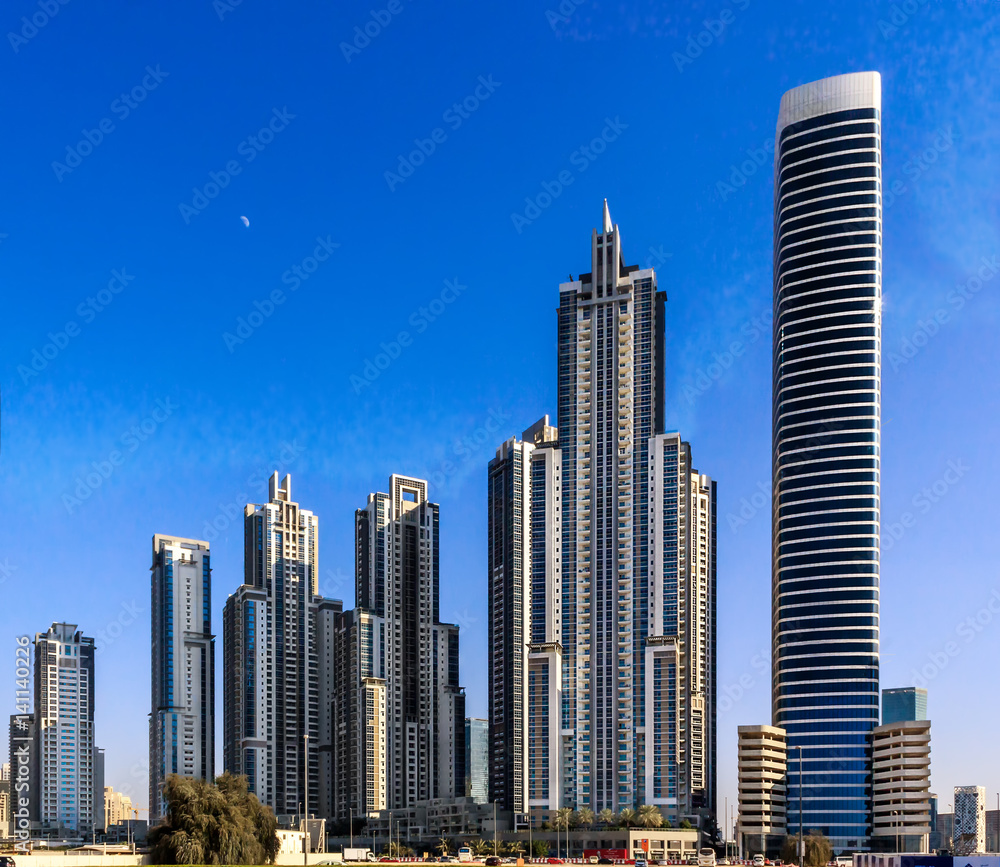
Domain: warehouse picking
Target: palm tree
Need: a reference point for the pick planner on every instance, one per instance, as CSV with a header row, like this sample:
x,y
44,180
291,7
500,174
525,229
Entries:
x,y
649,817
586,817
607,817
443,846
480,847
626,817
562,818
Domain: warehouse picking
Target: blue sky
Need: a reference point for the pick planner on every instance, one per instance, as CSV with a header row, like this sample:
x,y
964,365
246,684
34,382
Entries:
x,y
138,137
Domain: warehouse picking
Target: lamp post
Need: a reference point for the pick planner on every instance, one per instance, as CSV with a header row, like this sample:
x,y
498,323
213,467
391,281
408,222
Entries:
x,y
305,820
494,828
801,841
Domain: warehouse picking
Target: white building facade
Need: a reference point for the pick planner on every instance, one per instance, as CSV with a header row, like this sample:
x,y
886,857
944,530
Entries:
x,y
64,739
182,716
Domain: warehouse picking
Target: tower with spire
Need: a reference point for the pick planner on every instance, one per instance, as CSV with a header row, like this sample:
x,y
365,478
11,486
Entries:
x,y
623,690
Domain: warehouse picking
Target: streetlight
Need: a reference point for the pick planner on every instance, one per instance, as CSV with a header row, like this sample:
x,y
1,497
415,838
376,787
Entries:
x,y
801,842
494,828
305,821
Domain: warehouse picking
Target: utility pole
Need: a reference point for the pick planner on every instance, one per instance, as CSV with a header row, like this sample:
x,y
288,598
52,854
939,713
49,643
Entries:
x,y
802,850
494,828
352,826
305,822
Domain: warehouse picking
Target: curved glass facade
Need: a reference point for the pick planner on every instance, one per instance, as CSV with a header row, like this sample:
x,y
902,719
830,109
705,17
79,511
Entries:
x,y
826,433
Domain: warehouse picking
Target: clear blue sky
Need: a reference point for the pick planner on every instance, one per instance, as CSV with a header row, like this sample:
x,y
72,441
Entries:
x,y
482,366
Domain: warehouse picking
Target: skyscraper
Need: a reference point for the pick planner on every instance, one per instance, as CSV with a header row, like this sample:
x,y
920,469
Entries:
x,y
182,717
270,655
632,622
523,521
905,704
360,730
477,759
826,441
64,728
398,562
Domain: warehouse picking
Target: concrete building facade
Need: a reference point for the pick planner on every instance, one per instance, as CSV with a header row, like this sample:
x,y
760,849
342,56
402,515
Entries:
x,y
271,691
182,716
901,787
969,834
64,728
762,811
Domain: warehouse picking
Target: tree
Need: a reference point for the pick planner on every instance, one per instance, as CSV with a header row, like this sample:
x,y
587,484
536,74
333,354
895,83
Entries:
x,y
586,817
686,825
481,847
442,846
649,817
213,824
607,817
562,819
818,850
626,817
540,849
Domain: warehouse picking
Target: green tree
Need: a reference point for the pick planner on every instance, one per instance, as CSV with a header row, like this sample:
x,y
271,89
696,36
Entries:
x,y
562,819
586,817
626,817
607,817
818,850
443,846
686,825
540,849
481,847
649,817
213,824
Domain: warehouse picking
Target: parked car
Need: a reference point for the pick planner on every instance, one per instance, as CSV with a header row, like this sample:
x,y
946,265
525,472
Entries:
x,y
605,861
492,861
554,861
6,862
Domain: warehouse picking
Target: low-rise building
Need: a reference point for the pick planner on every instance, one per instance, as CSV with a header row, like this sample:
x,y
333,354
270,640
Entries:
x,y
763,765
659,844
969,836
901,787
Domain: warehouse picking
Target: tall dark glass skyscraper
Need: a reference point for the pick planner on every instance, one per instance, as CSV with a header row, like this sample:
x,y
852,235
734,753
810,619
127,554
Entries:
x,y
825,562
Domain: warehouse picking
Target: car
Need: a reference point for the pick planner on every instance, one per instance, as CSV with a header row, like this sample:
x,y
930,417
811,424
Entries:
x,y
640,862
554,861
6,862
492,861
605,861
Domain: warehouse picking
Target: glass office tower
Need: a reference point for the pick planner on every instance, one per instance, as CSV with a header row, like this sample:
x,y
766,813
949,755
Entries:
x,y
826,399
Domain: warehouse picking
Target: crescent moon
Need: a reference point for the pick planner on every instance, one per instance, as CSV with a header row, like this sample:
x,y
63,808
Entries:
x,y
246,222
